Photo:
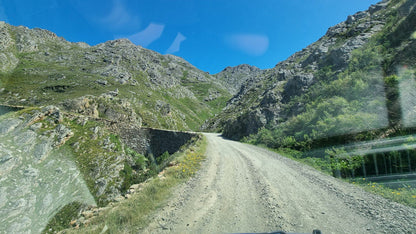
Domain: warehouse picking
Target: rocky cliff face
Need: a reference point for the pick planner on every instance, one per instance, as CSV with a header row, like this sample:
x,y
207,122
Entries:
x,y
267,99
234,77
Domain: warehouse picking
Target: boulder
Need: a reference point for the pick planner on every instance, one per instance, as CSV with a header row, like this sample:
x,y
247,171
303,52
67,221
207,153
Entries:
x,y
63,133
83,105
296,86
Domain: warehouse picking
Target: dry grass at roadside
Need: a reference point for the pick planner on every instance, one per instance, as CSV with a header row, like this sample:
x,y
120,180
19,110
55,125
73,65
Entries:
x,y
405,195
132,215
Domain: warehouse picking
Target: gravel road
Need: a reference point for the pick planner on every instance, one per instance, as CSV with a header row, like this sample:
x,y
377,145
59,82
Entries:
x,y
243,188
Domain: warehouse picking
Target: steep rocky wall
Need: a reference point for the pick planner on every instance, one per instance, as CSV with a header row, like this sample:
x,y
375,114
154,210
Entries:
x,y
154,141
162,141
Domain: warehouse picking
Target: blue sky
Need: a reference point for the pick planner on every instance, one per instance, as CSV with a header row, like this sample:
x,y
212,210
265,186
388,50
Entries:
x,y
210,34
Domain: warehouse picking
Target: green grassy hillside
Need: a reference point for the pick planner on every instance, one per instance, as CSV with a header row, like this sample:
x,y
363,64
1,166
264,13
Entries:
x,y
164,90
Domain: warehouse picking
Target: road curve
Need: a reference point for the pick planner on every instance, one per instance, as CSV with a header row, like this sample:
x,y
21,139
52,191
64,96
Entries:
x,y
243,188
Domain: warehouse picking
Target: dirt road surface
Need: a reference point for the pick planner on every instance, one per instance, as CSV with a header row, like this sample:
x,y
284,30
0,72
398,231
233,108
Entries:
x,y
243,188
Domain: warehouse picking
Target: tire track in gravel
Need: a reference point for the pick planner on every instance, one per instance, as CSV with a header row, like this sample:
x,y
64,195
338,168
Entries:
x,y
243,188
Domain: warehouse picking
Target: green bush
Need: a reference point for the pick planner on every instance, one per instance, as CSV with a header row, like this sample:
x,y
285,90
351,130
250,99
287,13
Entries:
x,y
163,158
140,161
341,163
63,218
128,177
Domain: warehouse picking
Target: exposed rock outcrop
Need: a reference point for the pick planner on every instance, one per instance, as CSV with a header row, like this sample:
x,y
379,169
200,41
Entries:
x,y
234,77
8,59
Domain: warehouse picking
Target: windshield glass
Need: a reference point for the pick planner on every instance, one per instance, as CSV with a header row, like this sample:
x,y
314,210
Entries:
x,y
207,116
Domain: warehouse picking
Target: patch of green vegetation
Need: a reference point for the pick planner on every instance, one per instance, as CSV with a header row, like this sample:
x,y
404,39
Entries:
x,y
128,177
116,140
343,166
162,158
63,218
218,104
38,87
200,89
140,161
136,172
90,155
195,111
185,75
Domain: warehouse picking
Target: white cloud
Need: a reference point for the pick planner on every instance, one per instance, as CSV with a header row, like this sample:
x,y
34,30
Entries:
x,y
252,44
119,17
148,35
176,44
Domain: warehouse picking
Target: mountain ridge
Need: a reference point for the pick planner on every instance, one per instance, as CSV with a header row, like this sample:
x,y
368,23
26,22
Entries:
x,y
47,66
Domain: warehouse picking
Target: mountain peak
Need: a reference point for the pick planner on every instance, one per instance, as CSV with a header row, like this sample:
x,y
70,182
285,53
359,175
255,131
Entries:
x,y
241,68
233,77
120,42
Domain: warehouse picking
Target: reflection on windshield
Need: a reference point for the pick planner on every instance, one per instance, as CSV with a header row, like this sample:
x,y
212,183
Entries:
x,y
407,91
35,180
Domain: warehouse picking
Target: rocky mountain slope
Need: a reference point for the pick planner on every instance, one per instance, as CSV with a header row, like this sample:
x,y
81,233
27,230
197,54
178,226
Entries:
x,y
39,68
345,71
234,77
